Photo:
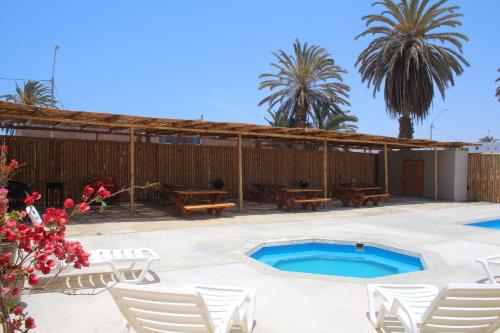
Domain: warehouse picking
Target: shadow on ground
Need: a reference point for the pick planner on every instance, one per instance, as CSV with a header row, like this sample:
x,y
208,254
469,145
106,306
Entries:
x,y
156,211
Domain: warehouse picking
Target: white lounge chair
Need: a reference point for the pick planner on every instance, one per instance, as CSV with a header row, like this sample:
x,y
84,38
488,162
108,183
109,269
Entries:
x,y
158,309
487,262
119,260
457,308
245,298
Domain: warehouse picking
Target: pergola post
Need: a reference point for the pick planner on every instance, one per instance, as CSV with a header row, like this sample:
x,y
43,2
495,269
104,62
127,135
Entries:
x,y
435,174
325,169
132,169
240,173
386,171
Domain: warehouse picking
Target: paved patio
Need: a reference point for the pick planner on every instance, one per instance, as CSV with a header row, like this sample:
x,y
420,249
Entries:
x,y
211,252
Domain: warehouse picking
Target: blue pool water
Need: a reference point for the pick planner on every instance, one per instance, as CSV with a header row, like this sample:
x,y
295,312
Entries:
x,y
494,224
337,259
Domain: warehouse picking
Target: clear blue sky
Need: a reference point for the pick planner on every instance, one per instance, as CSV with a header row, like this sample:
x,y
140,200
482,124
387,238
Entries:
x,y
181,59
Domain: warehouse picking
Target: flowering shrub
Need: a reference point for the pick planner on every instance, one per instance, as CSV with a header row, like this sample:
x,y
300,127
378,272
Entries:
x,y
33,249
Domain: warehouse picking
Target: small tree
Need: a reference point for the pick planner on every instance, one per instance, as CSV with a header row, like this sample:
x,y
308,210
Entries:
x,y
488,138
30,248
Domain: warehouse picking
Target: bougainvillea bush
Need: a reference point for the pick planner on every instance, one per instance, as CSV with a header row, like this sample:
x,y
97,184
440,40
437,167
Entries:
x,y
30,249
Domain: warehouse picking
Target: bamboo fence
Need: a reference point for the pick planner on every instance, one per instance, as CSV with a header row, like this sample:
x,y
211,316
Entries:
x,y
483,181
75,162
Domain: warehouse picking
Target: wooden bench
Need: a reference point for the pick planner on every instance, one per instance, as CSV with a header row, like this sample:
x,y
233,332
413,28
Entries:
x,y
213,207
314,202
374,198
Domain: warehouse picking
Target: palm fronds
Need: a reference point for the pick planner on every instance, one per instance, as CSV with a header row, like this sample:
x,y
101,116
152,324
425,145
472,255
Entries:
x,y
414,48
32,93
303,82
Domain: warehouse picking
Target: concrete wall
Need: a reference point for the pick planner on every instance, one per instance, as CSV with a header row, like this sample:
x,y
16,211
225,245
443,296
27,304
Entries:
x,y
452,172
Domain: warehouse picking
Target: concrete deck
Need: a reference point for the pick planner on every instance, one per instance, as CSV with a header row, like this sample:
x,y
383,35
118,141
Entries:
x,y
211,252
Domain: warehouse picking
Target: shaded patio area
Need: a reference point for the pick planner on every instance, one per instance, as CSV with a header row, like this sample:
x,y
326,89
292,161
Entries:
x,y
150,216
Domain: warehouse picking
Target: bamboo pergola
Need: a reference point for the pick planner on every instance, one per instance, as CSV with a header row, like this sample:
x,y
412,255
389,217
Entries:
x,y
20,116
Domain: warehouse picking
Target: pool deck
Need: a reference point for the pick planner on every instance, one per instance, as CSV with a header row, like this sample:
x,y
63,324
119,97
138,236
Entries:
x,y
212,252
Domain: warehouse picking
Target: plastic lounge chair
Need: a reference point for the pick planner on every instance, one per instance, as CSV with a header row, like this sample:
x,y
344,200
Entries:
x,y
457,308
245,297
159,309
120,260
487,262
114,258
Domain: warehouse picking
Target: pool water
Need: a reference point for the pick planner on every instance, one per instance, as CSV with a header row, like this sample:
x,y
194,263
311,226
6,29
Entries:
x,y
494,224
349,260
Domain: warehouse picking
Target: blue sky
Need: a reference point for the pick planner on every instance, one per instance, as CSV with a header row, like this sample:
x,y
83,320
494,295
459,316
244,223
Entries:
x,y
183,59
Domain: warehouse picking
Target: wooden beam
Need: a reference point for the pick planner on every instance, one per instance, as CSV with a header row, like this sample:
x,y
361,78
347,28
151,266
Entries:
x,y
435,174
325,169
99,123
132,169
240,173
386,171
18,112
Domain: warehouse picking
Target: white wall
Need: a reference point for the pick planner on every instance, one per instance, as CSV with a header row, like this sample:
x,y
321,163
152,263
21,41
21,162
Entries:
x,y
452,172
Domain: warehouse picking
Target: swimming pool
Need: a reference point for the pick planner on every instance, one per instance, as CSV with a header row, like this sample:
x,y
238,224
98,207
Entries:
x,y
325,258
493,224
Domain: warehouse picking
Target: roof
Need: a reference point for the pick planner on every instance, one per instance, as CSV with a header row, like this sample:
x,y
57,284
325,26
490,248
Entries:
x,y
27,116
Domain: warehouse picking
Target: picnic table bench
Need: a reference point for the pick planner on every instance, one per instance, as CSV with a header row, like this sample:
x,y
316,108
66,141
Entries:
x,y
360,196
213,205
287,197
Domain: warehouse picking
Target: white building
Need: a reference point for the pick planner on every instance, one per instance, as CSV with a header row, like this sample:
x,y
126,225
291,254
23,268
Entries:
x,y
486,147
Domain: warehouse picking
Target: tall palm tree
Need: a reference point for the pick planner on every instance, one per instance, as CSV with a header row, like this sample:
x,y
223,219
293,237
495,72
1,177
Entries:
x,y
32,93
405,56
304,82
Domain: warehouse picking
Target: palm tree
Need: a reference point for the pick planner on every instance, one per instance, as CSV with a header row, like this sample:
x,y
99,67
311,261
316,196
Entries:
x,y
277,119
341,122
488,138
405,56
498,88
304,82
32,93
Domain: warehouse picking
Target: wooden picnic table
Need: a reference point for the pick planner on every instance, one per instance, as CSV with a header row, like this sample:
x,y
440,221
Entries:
x,y
287,197
185,203
360,195
166,192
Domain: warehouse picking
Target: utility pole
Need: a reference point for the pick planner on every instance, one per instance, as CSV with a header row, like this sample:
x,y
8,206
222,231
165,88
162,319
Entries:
x,y
52,81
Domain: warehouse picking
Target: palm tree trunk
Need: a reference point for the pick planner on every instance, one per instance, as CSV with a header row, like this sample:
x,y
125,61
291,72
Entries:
x,y
300,116
405,127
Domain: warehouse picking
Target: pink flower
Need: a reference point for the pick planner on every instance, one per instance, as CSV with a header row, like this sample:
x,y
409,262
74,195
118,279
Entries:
x,y
30,323
103,192
68,203
11,223
33,279
83,207
4,149
32,198
18,310
88,190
